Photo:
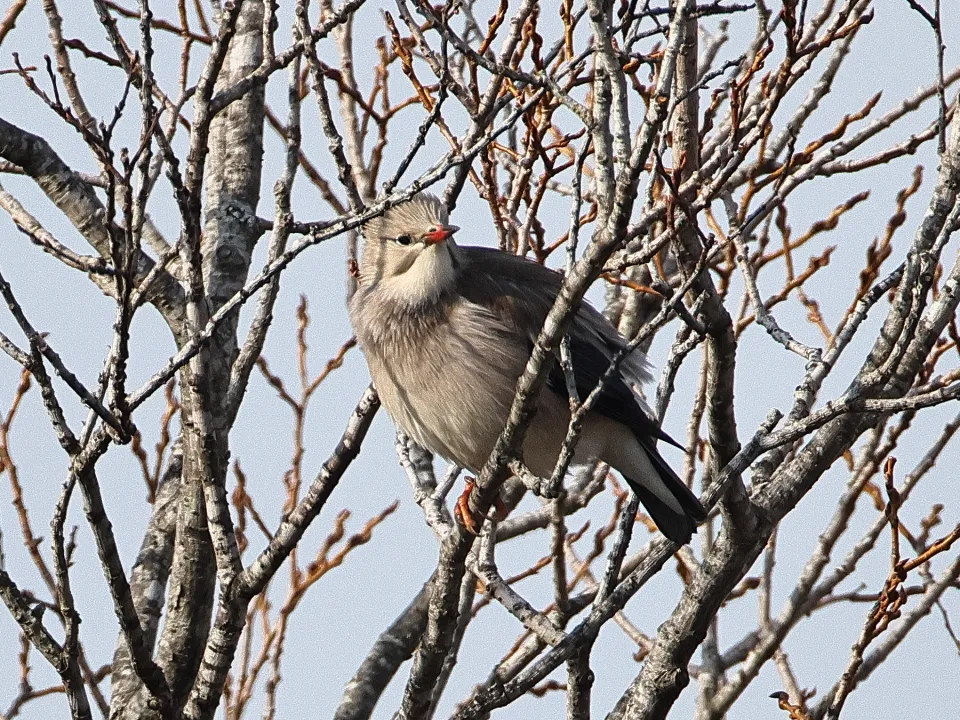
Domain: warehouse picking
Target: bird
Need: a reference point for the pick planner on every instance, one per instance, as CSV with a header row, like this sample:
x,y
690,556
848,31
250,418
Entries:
x,y
447,330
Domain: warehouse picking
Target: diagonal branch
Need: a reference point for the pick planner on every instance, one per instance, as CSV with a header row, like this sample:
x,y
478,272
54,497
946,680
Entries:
x,y
78,201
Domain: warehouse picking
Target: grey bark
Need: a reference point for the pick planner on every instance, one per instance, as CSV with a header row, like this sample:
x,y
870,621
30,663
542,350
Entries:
x,y
148,580
232,174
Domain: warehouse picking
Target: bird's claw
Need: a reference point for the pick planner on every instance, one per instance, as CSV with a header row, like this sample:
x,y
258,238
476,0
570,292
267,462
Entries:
x,y
468,518
465,516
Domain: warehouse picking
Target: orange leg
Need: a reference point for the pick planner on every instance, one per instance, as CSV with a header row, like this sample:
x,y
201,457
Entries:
x,y
465,516
470,520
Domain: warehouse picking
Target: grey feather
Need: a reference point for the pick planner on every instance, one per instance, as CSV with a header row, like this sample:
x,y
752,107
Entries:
x,y
447,330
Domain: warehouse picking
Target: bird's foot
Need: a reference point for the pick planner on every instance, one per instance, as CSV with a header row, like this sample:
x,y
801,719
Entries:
x,y
470,519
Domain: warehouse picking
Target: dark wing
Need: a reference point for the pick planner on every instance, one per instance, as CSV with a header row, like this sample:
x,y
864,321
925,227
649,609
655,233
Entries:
x,y
616,401
521,292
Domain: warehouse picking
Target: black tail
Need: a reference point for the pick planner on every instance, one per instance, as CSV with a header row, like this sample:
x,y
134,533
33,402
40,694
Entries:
x,y
677,526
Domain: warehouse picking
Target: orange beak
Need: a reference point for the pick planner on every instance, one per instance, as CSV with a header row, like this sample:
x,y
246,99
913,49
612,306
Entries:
x,y
439,234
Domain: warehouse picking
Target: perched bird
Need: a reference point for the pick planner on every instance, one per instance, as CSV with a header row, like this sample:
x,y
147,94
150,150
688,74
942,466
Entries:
x,y
447,330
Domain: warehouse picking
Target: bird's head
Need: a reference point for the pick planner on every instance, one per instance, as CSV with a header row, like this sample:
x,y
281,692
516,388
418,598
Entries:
x,y
409,251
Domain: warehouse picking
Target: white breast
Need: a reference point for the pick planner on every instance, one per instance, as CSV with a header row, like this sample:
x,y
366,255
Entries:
x,y
446,373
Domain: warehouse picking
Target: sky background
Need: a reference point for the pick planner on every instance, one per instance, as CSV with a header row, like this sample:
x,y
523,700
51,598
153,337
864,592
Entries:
x,y
342,615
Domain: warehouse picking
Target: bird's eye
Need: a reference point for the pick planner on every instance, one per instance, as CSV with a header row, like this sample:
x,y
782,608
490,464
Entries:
x,y
403,240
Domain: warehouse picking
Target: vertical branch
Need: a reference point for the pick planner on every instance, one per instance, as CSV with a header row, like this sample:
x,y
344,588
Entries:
x,y
216,268
148,579
283,219
345,171
607,75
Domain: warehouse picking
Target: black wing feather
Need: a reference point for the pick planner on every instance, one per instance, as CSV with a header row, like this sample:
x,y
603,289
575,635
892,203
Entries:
x,y
616,400
684,495
521,293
